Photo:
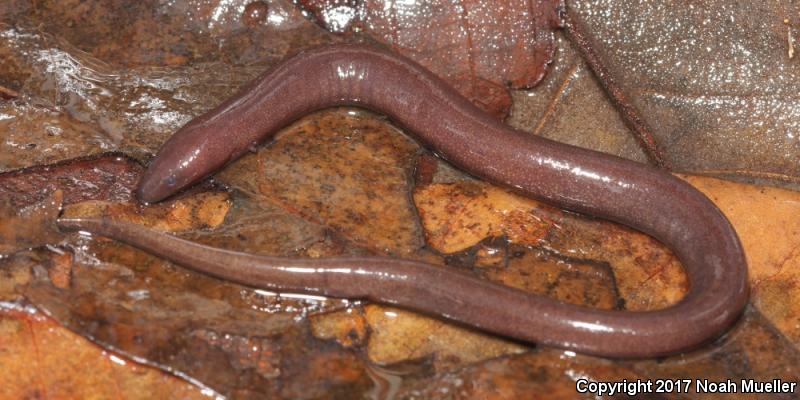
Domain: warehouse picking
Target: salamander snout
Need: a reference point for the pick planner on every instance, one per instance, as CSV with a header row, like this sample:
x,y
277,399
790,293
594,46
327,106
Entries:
x,y
155,187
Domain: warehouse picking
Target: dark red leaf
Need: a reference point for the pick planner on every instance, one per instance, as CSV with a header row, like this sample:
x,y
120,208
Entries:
x,y
479,47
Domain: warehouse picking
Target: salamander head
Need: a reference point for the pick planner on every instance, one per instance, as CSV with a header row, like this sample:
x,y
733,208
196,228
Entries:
x,y
182,161
161,181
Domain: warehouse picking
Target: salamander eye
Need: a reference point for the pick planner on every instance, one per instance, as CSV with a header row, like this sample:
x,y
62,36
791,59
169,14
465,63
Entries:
x,y
171,180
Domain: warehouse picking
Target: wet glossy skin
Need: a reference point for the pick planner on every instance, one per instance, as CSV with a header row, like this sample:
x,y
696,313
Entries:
x,y
645,198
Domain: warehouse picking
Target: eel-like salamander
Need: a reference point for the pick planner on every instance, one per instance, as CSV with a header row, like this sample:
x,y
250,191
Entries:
x,y
640,196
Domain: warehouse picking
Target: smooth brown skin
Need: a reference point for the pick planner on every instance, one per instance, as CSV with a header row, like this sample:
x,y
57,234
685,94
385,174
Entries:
x,y
585,181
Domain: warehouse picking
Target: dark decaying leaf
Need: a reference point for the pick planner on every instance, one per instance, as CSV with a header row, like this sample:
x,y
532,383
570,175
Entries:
x,y
716,80
109,177
480,47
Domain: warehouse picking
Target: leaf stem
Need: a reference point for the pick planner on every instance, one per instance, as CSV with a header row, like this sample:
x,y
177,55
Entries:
x,y
576,33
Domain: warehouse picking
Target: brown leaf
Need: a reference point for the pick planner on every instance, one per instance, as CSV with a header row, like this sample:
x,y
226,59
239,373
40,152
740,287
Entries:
x,y
751,351
347,327
201,210
49,361
170,34
575,281
73,104
543,374
645,274
767,222
459,216
399,335
30,226
221,334
346,170
479,47
714,81
109,177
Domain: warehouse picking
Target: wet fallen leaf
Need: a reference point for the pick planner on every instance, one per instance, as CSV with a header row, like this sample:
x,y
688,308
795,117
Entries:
x,y
751,351
46,358
28,132
73,104
347,327
575,281
202,210
109,177
714,79
767,223
93,186
170,34
346,170
31,226
534,375
399,335
458,215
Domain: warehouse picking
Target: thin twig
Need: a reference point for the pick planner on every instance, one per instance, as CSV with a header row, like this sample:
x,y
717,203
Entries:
x,y
629,113
7,93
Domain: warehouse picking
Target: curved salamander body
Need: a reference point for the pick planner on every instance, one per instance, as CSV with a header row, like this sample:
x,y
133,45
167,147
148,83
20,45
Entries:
x,y
643,197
